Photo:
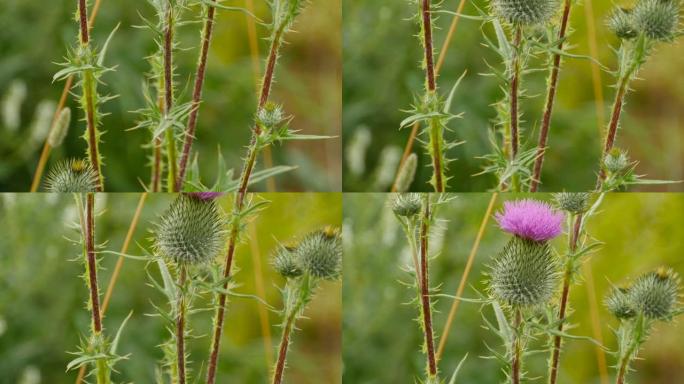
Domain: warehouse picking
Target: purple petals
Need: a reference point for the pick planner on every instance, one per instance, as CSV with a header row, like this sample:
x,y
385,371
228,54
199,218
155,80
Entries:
x,y
530,219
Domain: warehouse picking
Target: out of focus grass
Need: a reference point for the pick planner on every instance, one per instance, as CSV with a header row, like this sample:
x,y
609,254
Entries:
x,y
35,36
382,340
42,297
382,73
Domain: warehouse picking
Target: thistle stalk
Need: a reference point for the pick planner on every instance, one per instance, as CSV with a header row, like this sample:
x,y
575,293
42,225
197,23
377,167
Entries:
x,y
88,88
168,95
567,277
550,99
515,83
288,326
516,348
425,291
180,324
196,96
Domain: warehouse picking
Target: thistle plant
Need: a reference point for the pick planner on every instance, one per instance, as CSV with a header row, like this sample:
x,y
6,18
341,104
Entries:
x,y
641,30
430,109
524,275
190,234
578,208
653,297
88,63
415,213
304,265
74,175
97,350
509,163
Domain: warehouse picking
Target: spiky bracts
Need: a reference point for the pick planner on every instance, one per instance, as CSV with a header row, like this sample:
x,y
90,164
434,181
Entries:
x,y
657,19
525,273
525,12
572,202
191,231
73,175
654,296
406,204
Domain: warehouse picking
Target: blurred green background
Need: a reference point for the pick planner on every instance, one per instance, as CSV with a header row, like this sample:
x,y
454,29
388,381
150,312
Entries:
x,y
42,297
382,74
382,341
308,82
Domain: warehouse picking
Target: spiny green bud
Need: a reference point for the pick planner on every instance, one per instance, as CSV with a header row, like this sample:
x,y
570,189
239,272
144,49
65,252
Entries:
x,y
619,304
655,294
285,262
526,12
270,116
525,273
573,202
60,129
621,22
407,173
73,175
406,204
320,254
657,19
616,161
191,231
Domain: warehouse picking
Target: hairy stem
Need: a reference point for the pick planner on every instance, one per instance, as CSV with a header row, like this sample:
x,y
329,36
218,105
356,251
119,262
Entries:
x,y
430,83
567,277
292,310
156,166
550,98
613,126
627,354
92,262
168,95
171,154
515,84
438,167
425,290
282,350
196,96
180,324
517,348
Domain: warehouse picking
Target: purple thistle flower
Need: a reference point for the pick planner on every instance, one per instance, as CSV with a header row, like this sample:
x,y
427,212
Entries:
x,y
530,219
205,195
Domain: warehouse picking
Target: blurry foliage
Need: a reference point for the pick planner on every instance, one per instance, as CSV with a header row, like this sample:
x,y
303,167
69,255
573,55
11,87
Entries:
x,y
382,340
308,80
381,70
42,297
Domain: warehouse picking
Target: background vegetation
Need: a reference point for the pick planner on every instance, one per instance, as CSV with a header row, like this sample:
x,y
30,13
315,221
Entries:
x,y
382,73
35,37
42,297
382,340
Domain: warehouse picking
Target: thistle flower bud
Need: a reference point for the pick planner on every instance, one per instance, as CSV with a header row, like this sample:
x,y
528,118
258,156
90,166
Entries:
x,y
616,161
657,19
621,22
191,230
407,173
573,202
270,116
525,12
60,129
619,304
525,273
285,262
530,219
406,204
655,294
73,175
320,254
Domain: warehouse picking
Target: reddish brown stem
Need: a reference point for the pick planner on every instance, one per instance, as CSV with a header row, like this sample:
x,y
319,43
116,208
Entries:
x,y
282,352
196,96
612,127
550,98
515,82
92,262
555,357
425,290
180,325
427,37
83,20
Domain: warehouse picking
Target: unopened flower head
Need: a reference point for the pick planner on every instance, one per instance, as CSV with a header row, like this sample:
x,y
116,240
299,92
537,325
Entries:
x,y
73,175
285,261
573,202
191,231
320,254
657,19
621,22
530,219
619,303
270,116
616,161
406,204
655,294
526,12
525,273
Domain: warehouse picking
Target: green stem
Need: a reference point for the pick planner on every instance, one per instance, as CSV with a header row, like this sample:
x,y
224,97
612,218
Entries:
x,y
626,355
180,324
171,155
293,309
437,155
517,348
